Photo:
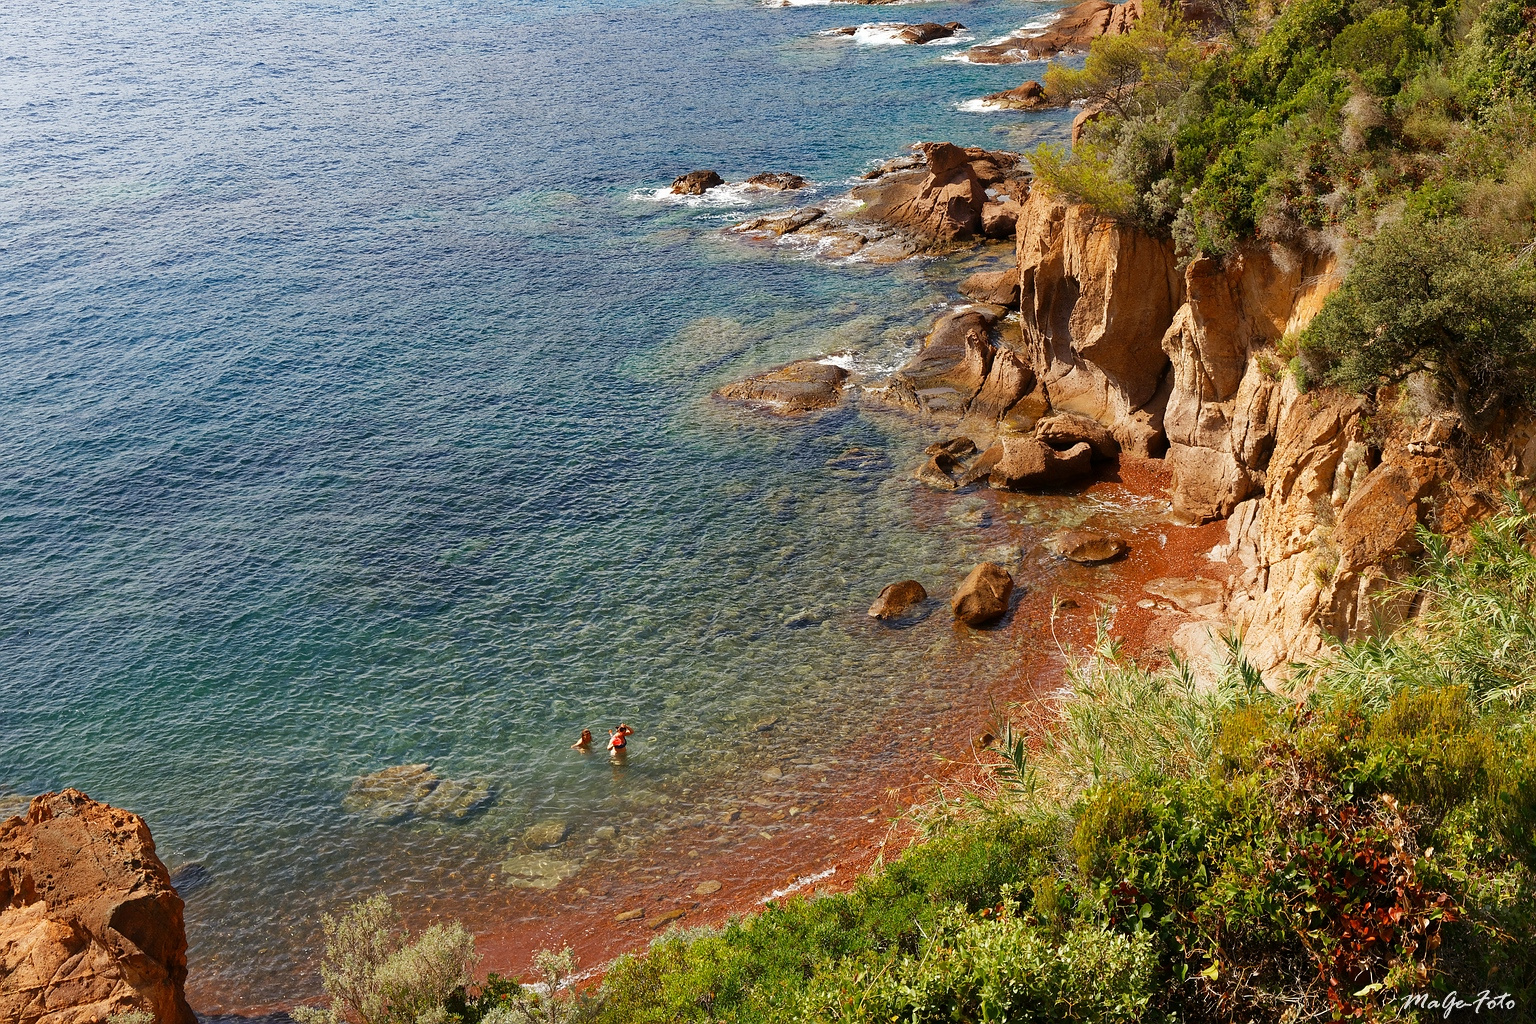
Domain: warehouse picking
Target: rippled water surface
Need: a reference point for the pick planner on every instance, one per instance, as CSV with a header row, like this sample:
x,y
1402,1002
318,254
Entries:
x,y
355,413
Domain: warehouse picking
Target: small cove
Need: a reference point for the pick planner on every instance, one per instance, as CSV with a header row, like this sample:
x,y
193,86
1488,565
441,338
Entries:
x,y
357,408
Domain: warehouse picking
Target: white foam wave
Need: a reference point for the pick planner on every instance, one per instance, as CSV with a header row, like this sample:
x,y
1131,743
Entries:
x,y
737,193
841,360
979,106
883,33
798,884
888,33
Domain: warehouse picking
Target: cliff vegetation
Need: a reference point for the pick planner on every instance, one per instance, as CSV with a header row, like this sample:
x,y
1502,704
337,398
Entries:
x,y
1398,135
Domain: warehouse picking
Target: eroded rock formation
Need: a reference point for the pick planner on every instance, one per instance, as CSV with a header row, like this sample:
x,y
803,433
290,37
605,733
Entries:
x,y
1322,509
796,388
89,923
939,197
1096,297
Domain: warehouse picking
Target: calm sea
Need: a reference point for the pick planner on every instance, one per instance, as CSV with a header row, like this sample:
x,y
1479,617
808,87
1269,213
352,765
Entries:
x,y
354,413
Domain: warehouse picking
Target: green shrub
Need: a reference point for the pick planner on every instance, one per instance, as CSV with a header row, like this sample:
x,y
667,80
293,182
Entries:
x,y
374,974
1002,969
1431,296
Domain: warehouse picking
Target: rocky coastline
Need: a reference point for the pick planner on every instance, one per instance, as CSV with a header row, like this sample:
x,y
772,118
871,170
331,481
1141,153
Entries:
x,y
1094,358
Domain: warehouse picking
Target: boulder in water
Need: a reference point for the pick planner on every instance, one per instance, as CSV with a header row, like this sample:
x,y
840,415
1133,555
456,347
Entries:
x,y
928,31
1029,96
546,834
982,598
696,183
1086,546
778,181
1026,463
898,599
798,387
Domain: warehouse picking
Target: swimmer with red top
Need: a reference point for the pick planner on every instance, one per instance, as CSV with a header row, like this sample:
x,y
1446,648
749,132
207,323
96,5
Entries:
x,y
617,737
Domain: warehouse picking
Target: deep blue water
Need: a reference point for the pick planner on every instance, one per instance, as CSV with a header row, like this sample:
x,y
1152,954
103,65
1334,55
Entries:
x,y
354,412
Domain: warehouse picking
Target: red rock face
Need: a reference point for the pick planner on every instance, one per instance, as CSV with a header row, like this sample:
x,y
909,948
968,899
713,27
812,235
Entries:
x,y
89,922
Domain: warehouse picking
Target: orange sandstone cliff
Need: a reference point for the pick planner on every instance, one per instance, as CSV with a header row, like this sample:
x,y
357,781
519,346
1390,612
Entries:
x,y
89,923
1322,494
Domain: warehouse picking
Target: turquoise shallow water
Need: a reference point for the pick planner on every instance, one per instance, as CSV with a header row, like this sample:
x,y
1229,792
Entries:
x,y
355,411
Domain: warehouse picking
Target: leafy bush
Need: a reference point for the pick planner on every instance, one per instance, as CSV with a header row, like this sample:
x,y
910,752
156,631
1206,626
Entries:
x,y
1432,296
1000,968
374,974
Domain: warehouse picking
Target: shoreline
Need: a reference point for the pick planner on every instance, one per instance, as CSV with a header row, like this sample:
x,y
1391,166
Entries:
x,y
859,828
952,761
841,834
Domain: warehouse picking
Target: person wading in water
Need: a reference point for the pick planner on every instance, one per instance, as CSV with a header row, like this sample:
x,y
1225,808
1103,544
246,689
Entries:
x,y
585,743
617,738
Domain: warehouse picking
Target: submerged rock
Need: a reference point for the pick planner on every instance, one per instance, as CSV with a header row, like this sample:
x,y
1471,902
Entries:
x,y
536,870
391,794
1085,546
452,800
798,387
190,877
546,834
415,790
696,183
896,600
90,925
982,598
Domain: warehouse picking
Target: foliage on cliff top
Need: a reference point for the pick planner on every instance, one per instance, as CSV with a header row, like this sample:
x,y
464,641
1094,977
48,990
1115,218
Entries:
x,y
1302,119
1401,133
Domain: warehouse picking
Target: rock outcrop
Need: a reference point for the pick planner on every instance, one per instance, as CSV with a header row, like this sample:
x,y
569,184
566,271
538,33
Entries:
x,y
1182,362
939,197
969,370
1026,463
1073,31
1029,96
1096,297
993,287
799,387
778,181
696,183
912,35
1322,510
1224,402
89,923
982,598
